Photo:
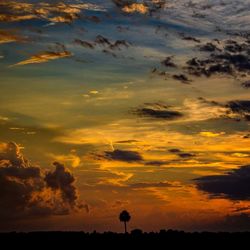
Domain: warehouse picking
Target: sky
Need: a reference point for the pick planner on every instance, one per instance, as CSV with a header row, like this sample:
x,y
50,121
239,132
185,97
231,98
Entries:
x,y
136,105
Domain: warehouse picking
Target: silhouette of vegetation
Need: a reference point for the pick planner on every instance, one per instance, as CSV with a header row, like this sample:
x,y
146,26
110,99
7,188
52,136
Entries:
x,y
136,236
125,217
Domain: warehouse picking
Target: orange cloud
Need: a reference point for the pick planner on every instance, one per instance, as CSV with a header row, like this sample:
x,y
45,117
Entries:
x,y
211,134
8,37
135,7
13,11
44,57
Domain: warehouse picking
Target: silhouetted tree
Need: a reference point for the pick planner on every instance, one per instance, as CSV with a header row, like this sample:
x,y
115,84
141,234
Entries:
x,y
125,217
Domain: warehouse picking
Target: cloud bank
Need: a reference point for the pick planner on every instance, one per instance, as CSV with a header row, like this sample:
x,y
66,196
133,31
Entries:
x,y
26,191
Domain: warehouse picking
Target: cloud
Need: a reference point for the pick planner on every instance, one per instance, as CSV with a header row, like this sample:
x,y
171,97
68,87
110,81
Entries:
x,y
194,110
180,153
135,7
118,44
143,7
152,185
71,159
231,59
237,222
123,155
182,78
125,185
246,84
27,192
158,111
7,36
84,44
234,185
156,163
44,57
186,155
14,11
120,203
211,134
174,150
201,109
241,108
61,179
168,62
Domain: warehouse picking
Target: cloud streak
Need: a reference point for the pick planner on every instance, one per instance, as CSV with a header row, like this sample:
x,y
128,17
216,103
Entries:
x,y
44,57
158,111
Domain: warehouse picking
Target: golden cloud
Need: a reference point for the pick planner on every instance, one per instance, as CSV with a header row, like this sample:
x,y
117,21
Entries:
x,y
8,37
13,11
44,57
135,7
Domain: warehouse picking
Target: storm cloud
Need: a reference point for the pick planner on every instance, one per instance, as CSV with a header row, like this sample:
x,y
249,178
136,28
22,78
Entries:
x,y
234,185
61,179
27,192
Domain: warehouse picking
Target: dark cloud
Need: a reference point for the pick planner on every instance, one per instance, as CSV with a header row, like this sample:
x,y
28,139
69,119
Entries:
x,y
127,141
158,111
118,44
123,155
180,153
231,59
152,184
208,67
236,222
84,44
234,185
102,40
186,155
158,72
209,47
235,47
236,109
182,78
61,179
247,136
123,3
209,102
174,150
246,84
241,107
156,163
189,38
26,192
168,62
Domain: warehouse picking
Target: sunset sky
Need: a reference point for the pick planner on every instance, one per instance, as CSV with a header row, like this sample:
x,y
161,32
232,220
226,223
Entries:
x,y
111,105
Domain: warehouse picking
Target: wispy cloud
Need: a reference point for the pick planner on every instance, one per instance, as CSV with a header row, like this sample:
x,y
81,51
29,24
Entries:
x,y
8,36
44,57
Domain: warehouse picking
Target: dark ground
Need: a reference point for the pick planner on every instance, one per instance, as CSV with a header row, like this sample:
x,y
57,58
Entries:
x,y
118,240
